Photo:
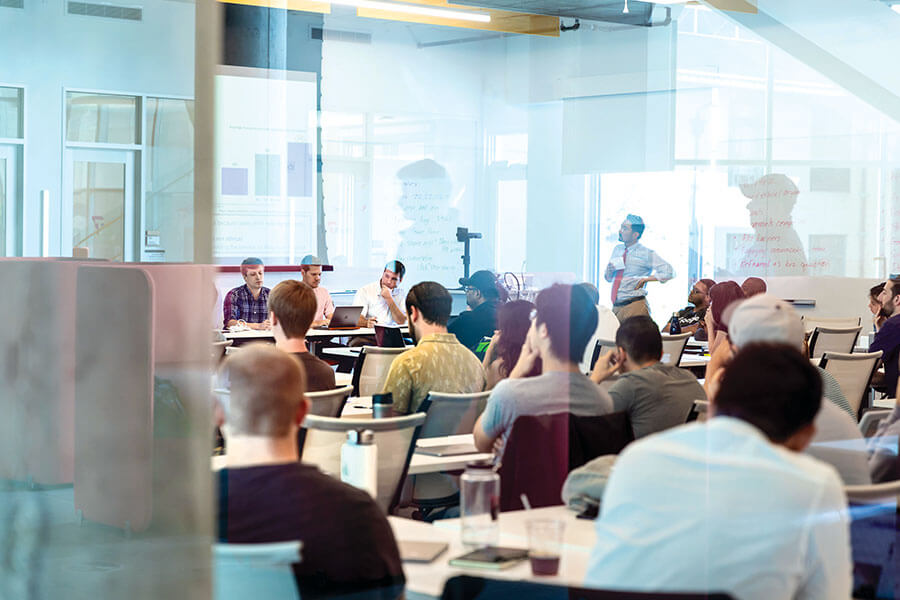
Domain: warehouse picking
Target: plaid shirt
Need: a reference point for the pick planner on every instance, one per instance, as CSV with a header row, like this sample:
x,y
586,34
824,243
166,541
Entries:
x,y
240,305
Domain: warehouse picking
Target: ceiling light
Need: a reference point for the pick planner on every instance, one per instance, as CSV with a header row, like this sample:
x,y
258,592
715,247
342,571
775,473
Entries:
x,y
425,11
895,8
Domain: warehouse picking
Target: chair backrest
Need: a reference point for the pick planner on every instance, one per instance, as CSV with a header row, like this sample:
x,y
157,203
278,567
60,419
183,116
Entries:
x,y
868,424
395,438
826,339
673,348
598,350
542,449
451,414
590,437
535,461
698,411
469,587
329,403
371,369
877,493
853,373
256,570
810,323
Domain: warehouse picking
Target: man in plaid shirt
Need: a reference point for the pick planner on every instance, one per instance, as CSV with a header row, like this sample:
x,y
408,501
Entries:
x,y
249,302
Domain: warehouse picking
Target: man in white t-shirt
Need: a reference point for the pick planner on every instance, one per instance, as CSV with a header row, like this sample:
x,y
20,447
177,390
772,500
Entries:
x,y
311,271
384,301
731,505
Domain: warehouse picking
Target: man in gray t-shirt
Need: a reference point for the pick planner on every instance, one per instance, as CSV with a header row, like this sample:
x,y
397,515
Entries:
x,y
655,396
562,322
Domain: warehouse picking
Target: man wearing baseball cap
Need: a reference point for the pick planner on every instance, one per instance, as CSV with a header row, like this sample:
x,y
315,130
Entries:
x,y
767,319
482,297
311,271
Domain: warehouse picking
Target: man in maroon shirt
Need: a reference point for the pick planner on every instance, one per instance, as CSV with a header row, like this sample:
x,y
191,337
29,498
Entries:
x,y
267,495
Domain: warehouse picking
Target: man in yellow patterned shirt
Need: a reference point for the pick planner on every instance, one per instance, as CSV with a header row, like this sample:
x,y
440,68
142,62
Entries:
x,y
438,363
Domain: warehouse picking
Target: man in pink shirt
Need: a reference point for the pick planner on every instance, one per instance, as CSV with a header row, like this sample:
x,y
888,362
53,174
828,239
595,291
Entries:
x,y
311,270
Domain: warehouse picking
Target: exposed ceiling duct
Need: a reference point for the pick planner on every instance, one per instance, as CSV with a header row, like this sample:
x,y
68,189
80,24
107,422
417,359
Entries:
x,y
612,11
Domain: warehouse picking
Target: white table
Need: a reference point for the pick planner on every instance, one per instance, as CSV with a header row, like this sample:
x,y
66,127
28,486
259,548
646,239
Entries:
x,y
347,352
427,580
311,334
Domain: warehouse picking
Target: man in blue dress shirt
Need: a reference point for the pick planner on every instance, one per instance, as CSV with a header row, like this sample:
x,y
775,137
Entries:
x,y
631,266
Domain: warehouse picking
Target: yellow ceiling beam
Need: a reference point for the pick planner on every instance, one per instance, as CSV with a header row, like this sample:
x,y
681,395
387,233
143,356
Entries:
x,y
744,6
501,20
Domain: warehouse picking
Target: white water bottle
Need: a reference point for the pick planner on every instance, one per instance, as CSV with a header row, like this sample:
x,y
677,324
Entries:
x,y
359,461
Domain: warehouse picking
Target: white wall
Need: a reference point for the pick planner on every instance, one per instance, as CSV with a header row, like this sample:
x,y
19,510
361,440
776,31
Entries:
x,y
46,50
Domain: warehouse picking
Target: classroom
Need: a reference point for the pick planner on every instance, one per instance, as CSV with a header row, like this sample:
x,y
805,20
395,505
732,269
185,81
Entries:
x,y
456,299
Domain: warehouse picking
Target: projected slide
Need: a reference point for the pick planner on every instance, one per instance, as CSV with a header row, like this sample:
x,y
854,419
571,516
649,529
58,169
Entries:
x,y
265,169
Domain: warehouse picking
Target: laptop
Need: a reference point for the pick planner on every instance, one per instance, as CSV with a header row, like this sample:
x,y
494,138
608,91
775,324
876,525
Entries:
x,y
388,337
344,317
447,450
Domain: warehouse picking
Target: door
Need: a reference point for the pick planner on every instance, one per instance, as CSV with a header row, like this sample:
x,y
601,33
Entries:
x,y
8,199
98,204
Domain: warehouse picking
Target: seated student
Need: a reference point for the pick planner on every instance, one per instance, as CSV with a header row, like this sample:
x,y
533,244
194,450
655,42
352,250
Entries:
x,y
382,300
878,314
292,305
249,302
721,296
311,271
438,363
731,505
482,297
267,495
753,286
557,336
607,325
884,462
513,322
655,396
765,318
692,319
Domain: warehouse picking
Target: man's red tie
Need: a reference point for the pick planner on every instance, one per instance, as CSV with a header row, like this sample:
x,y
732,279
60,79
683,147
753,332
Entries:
x,y
618,280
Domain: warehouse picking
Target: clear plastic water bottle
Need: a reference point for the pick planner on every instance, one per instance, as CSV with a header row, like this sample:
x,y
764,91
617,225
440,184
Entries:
x,y
480,505
359,461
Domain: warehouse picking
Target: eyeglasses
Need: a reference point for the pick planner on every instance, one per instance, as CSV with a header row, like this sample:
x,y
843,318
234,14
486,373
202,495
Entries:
x,y
469,288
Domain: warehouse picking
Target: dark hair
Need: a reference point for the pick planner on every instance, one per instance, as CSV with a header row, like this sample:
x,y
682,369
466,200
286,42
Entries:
x,y
397,267
721,295
251,262
772,387
875,291
591,289
753,286
637,224
640,338
513,321
432,300
569,330
708,283
294,305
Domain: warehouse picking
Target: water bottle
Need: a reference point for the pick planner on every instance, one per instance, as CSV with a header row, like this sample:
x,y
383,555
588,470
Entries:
x,y
382,406
480,505
359,461
674,325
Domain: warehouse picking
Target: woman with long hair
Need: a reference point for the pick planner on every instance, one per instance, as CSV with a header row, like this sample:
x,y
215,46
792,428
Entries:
x,y
721,296
513,322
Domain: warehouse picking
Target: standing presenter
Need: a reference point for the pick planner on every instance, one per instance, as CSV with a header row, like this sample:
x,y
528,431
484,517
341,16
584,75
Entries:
x,y
631,266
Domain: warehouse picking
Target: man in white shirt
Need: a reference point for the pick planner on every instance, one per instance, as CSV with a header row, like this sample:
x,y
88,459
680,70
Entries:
x,y
607,326
311,271
731,505
384,301
838,441
631,266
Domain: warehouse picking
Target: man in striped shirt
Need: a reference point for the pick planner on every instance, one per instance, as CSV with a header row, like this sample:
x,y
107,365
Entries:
x,y
631,266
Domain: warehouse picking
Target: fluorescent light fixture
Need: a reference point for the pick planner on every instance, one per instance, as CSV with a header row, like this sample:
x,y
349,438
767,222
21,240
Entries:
x,y
414,9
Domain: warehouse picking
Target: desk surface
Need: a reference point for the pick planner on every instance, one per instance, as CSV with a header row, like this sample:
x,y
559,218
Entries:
x,y
311,334
427,580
